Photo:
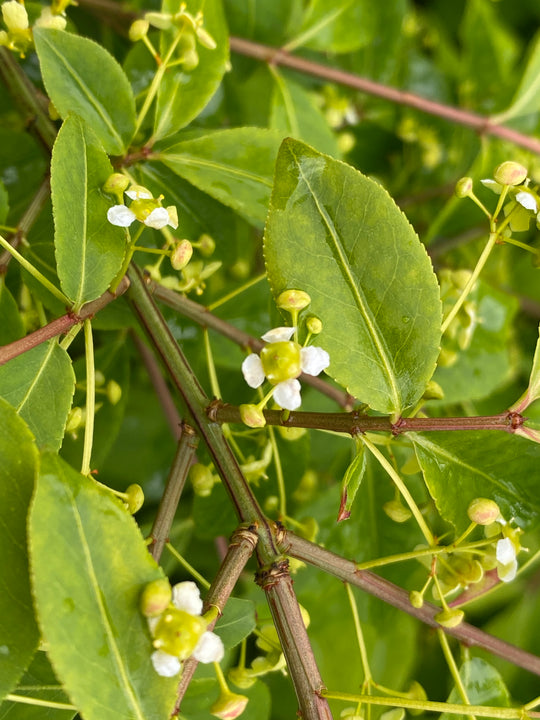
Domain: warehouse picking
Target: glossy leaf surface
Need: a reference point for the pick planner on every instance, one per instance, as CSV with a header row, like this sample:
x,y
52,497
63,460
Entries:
x,y
461,466
82,77
87,583
40,385
233,166
182,94
341,26
84,239
483,685
18,631
11,326
331,227
237,621
351,482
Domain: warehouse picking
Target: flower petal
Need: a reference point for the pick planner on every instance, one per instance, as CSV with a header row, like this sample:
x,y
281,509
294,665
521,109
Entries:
x,y
527,200
279,334
287,394
252,370
505,553
507,572
209,648
186,597
313,360
120,215
158,218
172,212
493,185
165,664
138,192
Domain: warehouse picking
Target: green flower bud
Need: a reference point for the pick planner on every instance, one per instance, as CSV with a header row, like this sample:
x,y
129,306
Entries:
x,y
271,504
240,270
99,378
293,300
115,185
416,599
178,633
15,16
281,361
202,480
134,498
510,173
181,255
433,391
229,706
396,511
206,244
138,30
450,618
252,416
190,60
483,511
464,187
155,598
241,678
447,358
314,325
74,420
114,392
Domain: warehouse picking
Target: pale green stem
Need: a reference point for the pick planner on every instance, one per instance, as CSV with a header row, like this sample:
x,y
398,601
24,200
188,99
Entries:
x,y
90,398
221,679
191,570
156,82
472,280
39,702
440,592
214,384
58,294
368,678
413,507
130,249
152,251
236,292
279,472
454,670
423,552
532,704
519,244
480,204
465,534
428,705
70,336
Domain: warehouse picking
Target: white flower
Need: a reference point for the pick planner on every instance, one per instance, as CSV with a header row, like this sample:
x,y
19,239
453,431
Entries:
x,y
144,208
527,200
282,362
506,560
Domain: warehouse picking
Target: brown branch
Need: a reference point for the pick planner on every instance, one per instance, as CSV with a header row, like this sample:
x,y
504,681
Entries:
x,y
482,124
59,326
399,598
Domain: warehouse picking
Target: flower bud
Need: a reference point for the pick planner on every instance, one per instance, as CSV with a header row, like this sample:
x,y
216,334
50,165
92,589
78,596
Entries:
x,y
293,300
202,480
114,392
206,244
134,498
116,184
464,187
178,633
161,21
229,706
205,39
271,504
483,511
99,378
190,60
48,19
252,416
15,16
241,677
314,325
510,173
416,599
433,391
181,255
138,30
450,618
447,357
74,419
155,598
396,511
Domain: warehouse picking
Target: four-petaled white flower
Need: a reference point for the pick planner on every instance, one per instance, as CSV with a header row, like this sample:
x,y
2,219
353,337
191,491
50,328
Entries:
x,y
281,362
144,208
209,648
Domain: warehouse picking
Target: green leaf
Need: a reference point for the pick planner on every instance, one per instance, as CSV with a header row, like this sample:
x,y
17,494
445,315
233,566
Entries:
x,y
12,326
483,685
237,621
89,250
18,631
340,26
4,203
81,77
351,481
463,465
40,385
38,682
87,580
183,95
294,113
533,391
339,236
233,166
525,104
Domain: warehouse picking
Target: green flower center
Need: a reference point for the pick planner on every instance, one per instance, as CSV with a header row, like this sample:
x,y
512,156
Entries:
x,y
281,361
178,632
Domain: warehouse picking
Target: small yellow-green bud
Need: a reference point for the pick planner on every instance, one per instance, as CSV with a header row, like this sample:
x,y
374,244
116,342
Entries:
x,y
483,511
464,187
138,30
74,419
229,706
447,357
396,511
346,142
115,185
416,599
155,598
178,633
15,16
206,244
99,378
271,504
161,21
281,361
114,392
510,173
202,480
291,433
460,278
293,300
433,391
314,325
240,269
134,498
241,677
190,60
181,255
252,416
450,618
205,39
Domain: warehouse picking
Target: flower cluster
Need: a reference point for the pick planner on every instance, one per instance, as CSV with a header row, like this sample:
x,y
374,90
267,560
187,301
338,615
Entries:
x,y
18,36
144,208
178,629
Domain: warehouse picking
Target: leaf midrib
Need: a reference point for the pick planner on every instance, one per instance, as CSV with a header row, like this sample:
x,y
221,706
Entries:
x,y
220,167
